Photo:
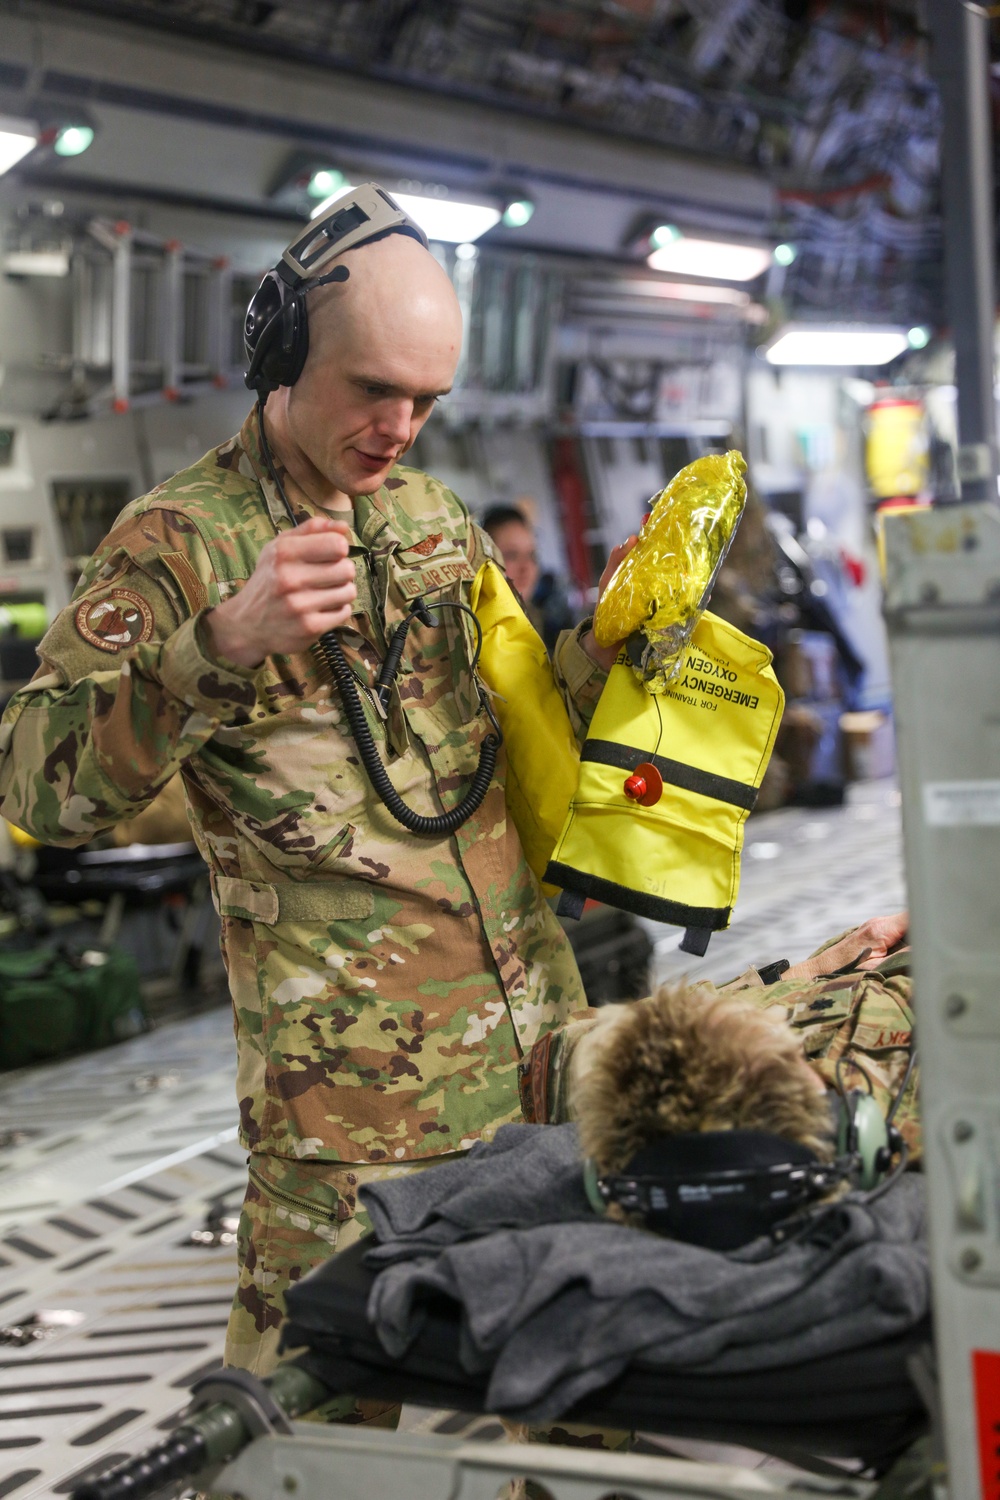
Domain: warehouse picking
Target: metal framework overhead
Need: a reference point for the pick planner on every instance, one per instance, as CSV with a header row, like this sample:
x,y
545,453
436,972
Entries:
x,y
833,104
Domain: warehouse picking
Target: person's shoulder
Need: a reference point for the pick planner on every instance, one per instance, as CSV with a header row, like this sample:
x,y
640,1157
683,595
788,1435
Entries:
x,y
424,498
216,491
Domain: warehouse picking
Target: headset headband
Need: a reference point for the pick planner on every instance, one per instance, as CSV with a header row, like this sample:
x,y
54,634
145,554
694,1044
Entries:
x,y
360,214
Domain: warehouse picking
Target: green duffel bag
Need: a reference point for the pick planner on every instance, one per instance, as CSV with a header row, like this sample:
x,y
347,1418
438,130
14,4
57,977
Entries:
x,y
54,1001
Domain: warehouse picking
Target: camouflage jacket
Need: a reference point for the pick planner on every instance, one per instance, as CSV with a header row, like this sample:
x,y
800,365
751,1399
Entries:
x,y
384,984
859,1024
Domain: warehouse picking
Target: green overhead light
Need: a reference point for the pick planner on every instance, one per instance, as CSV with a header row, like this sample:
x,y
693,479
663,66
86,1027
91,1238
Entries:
x,y
918,338
73,140
517,214
324,182
664,235
785,254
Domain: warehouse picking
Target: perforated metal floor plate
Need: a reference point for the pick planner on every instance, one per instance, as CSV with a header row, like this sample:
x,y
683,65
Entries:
x,y
152,1311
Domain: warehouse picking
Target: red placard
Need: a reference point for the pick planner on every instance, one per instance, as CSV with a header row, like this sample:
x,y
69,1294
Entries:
x,y
986,1380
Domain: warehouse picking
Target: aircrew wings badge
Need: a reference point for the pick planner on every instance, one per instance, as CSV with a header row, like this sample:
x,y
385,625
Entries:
x,y
119,620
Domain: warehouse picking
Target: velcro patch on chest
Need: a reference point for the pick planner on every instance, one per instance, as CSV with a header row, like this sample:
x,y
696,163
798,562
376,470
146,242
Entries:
x,y
122,618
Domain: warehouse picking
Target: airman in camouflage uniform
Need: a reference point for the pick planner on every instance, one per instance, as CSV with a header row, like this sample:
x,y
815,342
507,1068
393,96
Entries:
x,y
384,985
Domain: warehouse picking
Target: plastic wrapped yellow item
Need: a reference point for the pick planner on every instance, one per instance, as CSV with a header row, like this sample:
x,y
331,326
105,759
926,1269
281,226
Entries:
x,y
656,595
543,757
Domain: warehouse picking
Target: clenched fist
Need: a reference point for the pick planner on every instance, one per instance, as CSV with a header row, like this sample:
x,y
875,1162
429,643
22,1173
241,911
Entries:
x,y
303,586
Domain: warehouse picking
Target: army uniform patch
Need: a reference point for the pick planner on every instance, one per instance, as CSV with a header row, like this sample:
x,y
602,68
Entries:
x,y
121,619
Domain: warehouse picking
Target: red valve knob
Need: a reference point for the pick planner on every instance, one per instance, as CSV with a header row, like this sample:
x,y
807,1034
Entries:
x,y
645,785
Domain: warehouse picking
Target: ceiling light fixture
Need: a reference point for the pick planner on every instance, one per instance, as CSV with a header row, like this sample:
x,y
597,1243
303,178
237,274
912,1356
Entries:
x,y
325,183
17,138
40,262
663,235
73,140
448,220
517,213
694,291
723,260
847,345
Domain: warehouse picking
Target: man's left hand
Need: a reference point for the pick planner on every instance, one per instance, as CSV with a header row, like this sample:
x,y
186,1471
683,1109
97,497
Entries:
x,y
605,655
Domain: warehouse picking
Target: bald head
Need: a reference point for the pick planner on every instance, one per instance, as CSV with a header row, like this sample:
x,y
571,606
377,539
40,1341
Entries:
x,y
397,295
383,346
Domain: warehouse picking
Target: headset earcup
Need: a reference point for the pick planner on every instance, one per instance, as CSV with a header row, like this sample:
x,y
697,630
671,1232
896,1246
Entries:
x,y
872,1140
594,1197
275,336
295,343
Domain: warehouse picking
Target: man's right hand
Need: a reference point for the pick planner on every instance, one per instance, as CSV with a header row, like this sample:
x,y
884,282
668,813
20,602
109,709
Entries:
x,y
303,586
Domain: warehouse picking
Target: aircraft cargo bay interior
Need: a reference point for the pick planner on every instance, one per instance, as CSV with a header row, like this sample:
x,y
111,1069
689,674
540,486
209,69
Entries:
x,y
499,778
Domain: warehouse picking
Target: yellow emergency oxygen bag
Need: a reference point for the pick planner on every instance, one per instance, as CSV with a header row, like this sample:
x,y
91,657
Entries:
x,y
666,783
685,726
681,736
543,755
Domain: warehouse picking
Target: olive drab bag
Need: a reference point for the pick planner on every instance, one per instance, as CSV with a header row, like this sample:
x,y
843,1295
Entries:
x,y
54,1001
666,783
543,756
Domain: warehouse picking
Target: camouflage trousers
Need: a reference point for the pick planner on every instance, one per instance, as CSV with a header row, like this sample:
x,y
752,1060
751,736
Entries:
x,y
296,1215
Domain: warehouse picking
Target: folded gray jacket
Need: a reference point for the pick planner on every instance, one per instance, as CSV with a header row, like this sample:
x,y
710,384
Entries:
x,y
556,1302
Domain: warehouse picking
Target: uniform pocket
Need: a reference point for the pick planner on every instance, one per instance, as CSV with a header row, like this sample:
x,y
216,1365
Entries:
x,y
332,900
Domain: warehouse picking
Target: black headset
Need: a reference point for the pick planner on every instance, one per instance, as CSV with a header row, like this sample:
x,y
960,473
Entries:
x,y
276,327
723,1188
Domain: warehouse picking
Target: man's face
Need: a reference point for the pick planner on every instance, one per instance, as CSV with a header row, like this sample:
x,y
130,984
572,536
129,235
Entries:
x,y
516,541
373,373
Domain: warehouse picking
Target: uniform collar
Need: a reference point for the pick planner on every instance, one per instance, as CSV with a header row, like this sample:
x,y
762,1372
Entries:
x,y
371,512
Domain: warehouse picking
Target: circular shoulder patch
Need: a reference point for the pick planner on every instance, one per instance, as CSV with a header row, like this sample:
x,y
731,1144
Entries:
x,y
119,620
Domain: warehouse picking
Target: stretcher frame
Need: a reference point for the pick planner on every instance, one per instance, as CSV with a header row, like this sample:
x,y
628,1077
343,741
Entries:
x,y
341,1463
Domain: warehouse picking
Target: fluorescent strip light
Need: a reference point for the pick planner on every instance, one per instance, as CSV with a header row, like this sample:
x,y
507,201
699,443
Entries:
x,y
447,219
36,263
444,219
837,346
692,291
17,138
725,262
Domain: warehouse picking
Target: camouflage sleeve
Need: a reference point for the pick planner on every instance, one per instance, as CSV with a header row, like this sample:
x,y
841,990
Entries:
x,y
126,692
543,1073
579,678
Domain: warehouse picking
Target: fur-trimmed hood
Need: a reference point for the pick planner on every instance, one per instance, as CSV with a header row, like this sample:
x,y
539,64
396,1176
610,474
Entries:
x,y
688,1059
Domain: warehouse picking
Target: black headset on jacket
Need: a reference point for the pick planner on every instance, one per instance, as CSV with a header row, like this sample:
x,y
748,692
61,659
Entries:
x,y
276,339
723,1188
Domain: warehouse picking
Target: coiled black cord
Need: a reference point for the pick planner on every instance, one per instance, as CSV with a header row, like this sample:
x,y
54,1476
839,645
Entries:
x,y
442,823
333,655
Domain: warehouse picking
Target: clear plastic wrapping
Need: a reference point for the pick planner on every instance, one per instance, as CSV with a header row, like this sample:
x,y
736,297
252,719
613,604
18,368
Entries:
x,y
658,591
